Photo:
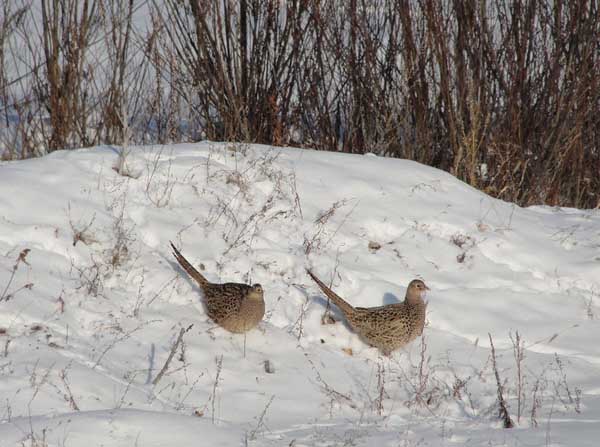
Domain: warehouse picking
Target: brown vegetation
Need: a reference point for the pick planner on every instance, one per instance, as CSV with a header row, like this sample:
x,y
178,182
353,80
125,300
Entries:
x,y
503,94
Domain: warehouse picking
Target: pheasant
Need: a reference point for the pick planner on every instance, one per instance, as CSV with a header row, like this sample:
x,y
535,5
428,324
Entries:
x,y
233,306
385,327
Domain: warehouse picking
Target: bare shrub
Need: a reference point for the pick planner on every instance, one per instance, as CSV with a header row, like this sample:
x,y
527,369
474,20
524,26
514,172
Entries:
x,y
316,240
242,217
502,94
239,62
10,21
381,393
213,396
116,22
6,294
90,277
120,336
260,421
122,234
589,303
82,231
335,397
503,408
519,355
421,382
68,394
298,325
174,348
68,26
160,180
569,399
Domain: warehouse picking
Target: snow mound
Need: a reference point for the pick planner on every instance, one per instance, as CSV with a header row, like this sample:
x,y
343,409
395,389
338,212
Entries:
x,y
92,303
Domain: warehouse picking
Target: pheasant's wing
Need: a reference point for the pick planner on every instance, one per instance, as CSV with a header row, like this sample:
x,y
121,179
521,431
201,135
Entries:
x,y
378,319
224,300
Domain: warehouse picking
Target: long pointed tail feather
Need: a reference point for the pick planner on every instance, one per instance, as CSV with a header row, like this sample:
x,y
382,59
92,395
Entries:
x,y
345,307
189,268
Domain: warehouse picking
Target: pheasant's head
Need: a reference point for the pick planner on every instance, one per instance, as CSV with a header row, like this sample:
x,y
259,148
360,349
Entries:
x,y
416,291
256,292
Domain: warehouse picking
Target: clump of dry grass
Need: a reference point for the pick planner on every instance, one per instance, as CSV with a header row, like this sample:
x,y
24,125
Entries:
x,y
516,109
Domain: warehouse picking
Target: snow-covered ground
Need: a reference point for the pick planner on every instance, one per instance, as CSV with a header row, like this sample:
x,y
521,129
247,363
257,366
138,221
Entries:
x,y
95,305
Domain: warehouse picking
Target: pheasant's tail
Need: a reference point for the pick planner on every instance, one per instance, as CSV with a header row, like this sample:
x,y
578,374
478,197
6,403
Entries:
x,y
195,274
345,307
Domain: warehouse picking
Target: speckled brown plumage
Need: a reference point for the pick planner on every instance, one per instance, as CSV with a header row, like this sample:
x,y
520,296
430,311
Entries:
x,y
385,327
233,306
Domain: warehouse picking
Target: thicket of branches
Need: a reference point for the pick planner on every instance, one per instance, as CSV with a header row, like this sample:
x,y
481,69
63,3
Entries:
x,y
504,94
